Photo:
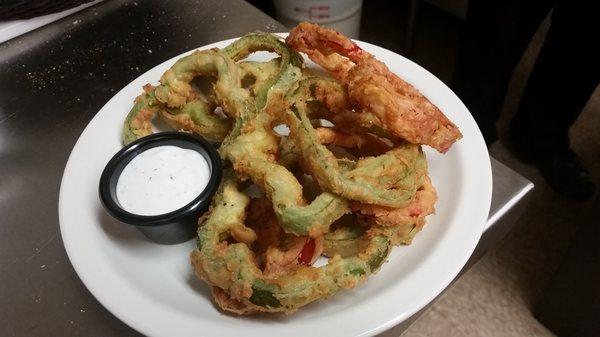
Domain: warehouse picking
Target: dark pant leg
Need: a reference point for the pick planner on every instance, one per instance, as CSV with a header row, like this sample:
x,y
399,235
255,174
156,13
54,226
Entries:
x,y
493,40
564,76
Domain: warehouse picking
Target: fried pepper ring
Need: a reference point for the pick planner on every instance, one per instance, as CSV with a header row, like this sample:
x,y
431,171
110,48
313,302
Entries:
x,y
198,117
365,141
233,268
344,241
138,121
400,108
252,145
278,252
255,74
400,225
382,180
185,110
195,116
190,113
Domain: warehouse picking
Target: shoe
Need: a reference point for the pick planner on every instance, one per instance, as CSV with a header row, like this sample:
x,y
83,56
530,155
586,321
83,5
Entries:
x,y
565,173
561,169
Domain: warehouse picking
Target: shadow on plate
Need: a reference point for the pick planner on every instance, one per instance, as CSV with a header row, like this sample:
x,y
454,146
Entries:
x,y
121,232
198,285
201,288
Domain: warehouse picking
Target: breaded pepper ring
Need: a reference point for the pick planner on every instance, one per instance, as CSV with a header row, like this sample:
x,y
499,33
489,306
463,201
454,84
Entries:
x,y
383,180
232,267
195,116
277,251
400,225
252,145
399,107
344,241
137,123
255,74
198,116
176,94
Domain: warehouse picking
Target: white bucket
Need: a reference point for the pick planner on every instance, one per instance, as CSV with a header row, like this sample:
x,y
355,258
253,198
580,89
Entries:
x,y
341,15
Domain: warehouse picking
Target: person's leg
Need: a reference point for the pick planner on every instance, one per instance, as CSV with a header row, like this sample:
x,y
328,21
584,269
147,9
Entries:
x,y
564,76
493,40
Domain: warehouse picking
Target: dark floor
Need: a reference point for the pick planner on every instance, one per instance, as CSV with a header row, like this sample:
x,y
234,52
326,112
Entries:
x,y
506,284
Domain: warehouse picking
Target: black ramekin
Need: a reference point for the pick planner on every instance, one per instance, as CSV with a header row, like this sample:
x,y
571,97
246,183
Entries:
x,y
173,227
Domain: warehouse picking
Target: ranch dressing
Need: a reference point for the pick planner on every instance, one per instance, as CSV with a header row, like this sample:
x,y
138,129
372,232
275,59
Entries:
x,y
161,180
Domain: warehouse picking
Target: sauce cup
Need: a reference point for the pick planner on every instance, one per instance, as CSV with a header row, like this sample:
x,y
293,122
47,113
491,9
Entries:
x,y
173,227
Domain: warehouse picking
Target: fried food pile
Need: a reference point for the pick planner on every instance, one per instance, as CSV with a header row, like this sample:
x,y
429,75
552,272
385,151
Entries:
x,y
348,182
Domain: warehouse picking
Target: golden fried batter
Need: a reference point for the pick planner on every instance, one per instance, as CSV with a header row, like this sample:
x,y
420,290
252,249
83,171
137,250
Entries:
x,y
399,107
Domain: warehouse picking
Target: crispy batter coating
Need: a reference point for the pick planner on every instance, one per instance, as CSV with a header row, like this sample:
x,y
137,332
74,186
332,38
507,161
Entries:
x,y
280,252
233,267
365,141
400,108
406,221
382,180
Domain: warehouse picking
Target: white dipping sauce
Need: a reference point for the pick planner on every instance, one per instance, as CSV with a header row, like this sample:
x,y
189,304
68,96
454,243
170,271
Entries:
x,y
161,180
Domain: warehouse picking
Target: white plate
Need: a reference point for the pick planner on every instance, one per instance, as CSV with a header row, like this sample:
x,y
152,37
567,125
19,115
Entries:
x,y
153,289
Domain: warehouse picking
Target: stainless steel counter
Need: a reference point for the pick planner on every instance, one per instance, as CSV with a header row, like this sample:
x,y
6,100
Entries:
x,y
52,82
